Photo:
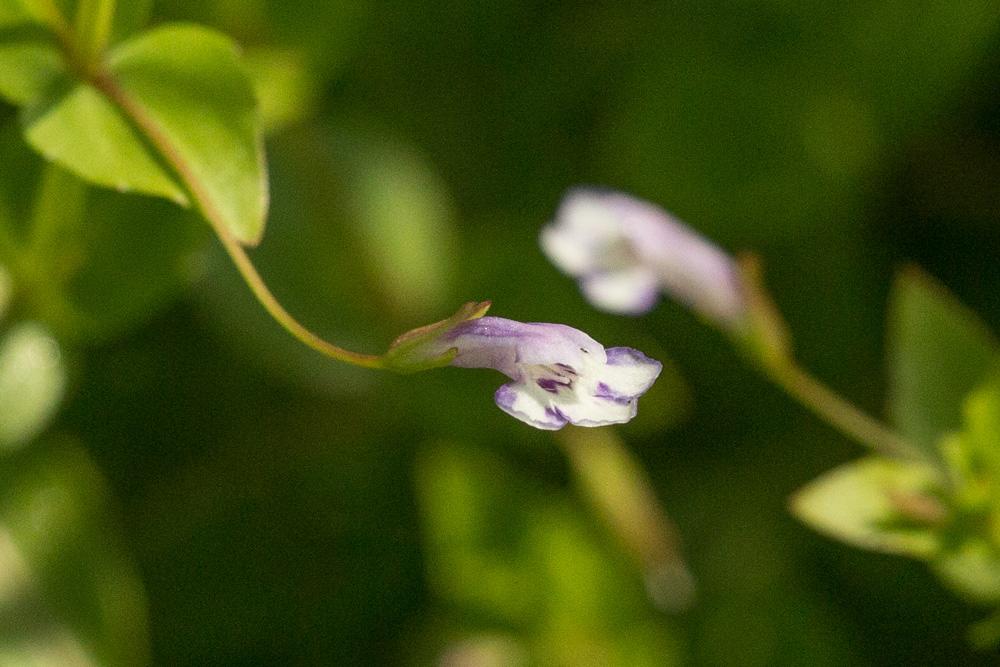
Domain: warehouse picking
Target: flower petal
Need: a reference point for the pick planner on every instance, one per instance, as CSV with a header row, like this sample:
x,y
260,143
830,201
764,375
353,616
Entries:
x,y
516,400
495,342
629,372
544,410
631,291
597,411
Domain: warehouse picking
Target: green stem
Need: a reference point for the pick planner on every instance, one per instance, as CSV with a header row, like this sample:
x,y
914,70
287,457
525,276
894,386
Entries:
x,y
618,488
161,141
838,412
766,340
94,19
49,13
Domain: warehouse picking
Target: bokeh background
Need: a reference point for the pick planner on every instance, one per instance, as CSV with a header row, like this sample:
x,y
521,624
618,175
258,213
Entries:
x,y
212,485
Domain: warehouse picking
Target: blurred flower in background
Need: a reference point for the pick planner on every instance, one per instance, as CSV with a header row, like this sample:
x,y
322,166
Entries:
x,y
626,251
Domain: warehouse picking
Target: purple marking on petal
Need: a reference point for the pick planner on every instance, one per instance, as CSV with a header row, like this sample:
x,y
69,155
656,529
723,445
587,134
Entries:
x,y
551,385
556,413
505,397
609,394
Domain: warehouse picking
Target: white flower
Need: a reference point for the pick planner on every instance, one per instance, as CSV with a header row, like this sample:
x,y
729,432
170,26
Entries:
x,y
625,251
560,375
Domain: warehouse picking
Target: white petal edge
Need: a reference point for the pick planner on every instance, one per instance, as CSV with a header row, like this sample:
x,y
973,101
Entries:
x,y
629,371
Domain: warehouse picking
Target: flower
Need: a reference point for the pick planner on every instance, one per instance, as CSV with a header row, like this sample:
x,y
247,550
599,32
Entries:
x,y
625,251
560,375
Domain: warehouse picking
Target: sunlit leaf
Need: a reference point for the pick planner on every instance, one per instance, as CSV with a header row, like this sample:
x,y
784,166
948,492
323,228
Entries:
x,y
938,352
191,82
69,595
878,504
77,127
32,379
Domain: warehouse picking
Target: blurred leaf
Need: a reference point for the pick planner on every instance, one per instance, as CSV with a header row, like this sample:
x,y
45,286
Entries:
x,y
32,380
77,127
91,263
136,254
130,16
30,62
871,504
974,452
509,552
31,58
191,82
938,352
403,218
12,12
972,570
285,87
31,11
969,561
68,592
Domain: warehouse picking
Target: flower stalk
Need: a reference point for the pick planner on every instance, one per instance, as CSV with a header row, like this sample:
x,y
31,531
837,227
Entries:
x,y
614,483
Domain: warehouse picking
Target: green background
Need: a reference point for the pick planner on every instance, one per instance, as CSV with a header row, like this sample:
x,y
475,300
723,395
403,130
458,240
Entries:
x,y
282,509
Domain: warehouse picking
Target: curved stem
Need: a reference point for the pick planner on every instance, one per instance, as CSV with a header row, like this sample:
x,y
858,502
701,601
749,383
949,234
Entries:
x,y
619,490
278,312
838,412
151,130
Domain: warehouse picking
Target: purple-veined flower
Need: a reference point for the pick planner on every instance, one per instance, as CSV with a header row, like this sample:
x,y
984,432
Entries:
x,y
624,251
559,375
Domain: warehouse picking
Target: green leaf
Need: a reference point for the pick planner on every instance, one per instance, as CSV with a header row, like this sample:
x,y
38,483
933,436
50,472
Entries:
x,y
190,82
77,127
130,16
70,593
972,570
30,62
939,351
286,87
970,560
878,504
32,380
137,255
502,548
